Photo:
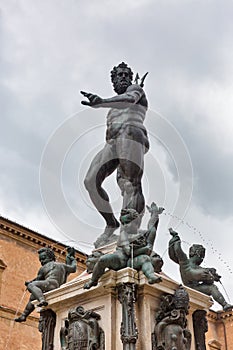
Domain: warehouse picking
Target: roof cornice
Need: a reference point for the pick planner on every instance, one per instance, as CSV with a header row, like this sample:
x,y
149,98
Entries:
x,y
34,239
220,315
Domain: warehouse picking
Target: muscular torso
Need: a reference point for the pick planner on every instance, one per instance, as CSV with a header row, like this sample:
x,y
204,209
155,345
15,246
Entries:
x,y
190,273
132,116
54,271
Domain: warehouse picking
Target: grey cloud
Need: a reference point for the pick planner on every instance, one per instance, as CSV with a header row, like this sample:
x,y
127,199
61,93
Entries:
x,y
52,51
213,174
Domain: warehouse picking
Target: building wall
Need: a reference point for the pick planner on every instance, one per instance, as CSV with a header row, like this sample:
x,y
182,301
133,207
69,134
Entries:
x,y
19,263
220,330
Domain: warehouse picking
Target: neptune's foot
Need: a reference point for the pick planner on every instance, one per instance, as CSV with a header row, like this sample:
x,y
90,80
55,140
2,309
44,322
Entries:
x,y
107,237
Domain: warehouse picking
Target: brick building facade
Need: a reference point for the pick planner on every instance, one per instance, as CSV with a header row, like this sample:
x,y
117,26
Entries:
x,y
18,263
220,330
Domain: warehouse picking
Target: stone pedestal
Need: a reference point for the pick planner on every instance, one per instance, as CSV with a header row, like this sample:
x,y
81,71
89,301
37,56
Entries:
x,y
103,299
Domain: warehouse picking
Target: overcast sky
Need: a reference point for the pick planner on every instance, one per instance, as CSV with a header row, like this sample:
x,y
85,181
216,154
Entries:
x,y
50,50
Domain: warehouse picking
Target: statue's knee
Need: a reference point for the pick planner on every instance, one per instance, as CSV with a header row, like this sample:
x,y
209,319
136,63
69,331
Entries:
x,y
32,298
92,182
89,182
214,289
138,186
34,284
30,286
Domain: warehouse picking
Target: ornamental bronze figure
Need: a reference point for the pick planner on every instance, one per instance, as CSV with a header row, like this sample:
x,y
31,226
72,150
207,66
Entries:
x,y
126,144
192,274
134,248
50,276
170,330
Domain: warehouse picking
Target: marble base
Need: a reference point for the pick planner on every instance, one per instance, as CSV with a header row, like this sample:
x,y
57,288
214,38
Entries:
x,y
104,300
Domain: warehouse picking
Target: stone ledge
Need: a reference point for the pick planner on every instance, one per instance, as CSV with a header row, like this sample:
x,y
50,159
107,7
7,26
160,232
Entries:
x,y
74,289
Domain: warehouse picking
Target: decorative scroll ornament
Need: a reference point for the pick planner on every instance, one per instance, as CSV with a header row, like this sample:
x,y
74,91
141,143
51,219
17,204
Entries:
x,y
170,330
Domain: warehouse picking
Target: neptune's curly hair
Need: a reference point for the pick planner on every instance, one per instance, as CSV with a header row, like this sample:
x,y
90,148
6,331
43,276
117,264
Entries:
x,y
121,65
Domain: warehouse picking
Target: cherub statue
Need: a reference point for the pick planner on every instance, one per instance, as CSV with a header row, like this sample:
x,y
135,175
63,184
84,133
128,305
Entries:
x,y
134,249
192,274
50,276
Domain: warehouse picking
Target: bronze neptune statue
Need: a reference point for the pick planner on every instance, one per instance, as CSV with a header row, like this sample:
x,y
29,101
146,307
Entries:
x,y
126,144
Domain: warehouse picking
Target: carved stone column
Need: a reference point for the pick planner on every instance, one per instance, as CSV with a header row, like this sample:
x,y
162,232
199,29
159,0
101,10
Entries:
x,y
47,323
200,327
129,332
